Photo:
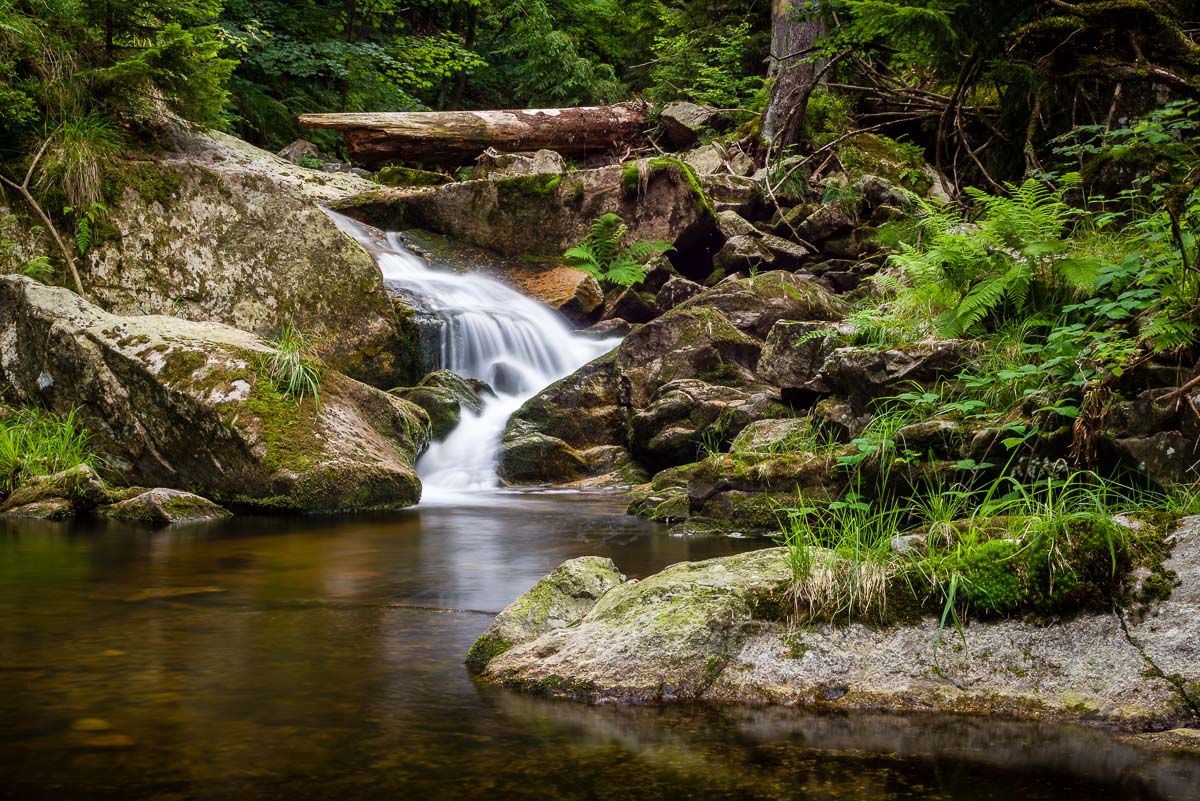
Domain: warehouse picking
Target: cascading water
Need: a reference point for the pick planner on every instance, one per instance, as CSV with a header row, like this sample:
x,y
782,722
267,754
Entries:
x,y
490,332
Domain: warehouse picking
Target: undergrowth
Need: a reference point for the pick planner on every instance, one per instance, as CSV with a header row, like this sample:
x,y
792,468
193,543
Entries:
x,y
35,442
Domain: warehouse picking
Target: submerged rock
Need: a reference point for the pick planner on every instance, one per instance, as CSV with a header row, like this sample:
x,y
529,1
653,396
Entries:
x,y
161,507
174,403
717,631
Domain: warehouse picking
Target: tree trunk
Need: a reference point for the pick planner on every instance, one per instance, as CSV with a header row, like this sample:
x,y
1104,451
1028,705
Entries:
x,y
796,74
458,137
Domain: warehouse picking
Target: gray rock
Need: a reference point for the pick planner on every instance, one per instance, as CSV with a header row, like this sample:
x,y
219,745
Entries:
x,y
825,223
686,414
741,254
663,638
630,305
495,164
795,352
768,436
714,631
755,304
45,509
861,374
559,599
162,507
732,224
675,291
444,395
173,402
299,150
684,122
529,456
1166,457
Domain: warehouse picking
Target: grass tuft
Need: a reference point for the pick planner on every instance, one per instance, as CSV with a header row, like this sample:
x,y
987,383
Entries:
x,y
289,367
35,442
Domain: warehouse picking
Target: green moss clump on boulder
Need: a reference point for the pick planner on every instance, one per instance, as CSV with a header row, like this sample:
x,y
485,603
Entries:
x,y
398,176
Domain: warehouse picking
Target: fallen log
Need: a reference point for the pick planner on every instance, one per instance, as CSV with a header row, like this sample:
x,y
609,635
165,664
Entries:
x,y
458,137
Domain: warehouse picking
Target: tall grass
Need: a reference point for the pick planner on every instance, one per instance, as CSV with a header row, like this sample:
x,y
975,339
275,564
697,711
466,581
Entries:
x,y
289,367
841,559
34,442
1000,550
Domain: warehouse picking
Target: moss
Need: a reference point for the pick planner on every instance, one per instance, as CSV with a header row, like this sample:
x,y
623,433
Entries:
x,y
154,181
179,364
991,580
288,428
1065,566
485,649
520,187
631,180
407,176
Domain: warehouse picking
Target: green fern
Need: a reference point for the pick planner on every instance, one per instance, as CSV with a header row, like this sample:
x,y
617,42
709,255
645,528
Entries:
x,y
601,256
1013,257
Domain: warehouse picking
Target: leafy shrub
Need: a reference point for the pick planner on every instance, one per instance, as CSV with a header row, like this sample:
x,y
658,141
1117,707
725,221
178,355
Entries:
x,y
601,255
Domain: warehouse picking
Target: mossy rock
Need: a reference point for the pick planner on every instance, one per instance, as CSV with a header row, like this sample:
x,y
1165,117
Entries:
x,y
397,176
558,600
186,405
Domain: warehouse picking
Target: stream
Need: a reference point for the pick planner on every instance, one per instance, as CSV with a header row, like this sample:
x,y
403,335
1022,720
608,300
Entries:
x,y
322,657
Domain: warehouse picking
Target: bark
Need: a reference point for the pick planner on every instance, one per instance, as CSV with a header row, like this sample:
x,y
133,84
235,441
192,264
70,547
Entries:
x,y
792,36
458,137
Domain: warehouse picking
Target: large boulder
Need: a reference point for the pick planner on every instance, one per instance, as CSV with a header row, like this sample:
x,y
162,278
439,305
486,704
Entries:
x,y
663,638
542,215
717,631
187,405
215,229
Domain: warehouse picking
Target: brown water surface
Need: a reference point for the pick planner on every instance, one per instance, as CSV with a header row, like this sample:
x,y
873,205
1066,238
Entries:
x,y
321,658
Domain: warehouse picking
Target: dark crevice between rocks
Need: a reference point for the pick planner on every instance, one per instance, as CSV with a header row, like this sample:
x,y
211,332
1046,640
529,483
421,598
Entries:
x,y
1187,695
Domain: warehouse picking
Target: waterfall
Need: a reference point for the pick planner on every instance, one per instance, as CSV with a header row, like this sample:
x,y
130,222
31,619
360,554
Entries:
x,y
517,345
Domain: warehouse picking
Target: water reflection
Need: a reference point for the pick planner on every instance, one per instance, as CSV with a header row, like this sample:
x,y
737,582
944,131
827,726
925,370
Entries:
x,y
314,658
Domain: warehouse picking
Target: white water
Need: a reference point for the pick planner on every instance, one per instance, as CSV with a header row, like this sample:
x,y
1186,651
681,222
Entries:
x,y
517,345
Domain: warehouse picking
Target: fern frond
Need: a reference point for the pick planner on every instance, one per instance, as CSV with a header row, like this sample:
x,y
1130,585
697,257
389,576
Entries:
x,y
1080,273
581,257
642,252
624,271
980,300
